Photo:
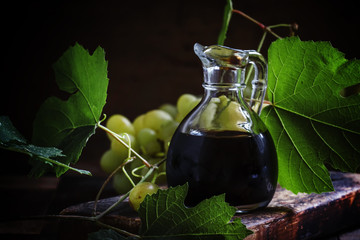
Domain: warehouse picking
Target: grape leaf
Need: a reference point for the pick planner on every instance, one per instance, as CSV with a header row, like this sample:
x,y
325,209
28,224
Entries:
x,y
311,123
67,125
164,216
8,133
11,139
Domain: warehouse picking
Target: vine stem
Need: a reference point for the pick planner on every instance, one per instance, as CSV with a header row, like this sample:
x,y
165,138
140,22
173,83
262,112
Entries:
x,y
267,29
116,136
123,197
45,159
107,181
96,219
262,26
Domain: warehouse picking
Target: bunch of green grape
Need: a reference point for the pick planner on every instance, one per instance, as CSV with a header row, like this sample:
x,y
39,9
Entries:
x,y
149,135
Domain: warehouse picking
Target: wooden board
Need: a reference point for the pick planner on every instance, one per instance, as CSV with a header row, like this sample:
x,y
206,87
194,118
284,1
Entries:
x,y
288,216
306,216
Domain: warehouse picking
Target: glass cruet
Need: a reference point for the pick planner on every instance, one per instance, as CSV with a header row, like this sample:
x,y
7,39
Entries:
x,y
222,146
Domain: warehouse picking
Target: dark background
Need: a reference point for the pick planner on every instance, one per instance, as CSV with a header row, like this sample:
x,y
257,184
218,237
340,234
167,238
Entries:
x,y
149,48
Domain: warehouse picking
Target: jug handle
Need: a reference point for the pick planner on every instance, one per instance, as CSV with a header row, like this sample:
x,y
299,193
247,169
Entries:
x,y
259,82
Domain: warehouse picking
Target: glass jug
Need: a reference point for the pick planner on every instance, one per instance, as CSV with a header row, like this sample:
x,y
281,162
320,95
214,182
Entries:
x,y
222,146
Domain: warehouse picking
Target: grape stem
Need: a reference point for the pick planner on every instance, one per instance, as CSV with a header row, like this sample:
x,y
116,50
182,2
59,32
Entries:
x,y
118,138
267,29
108,180
49,160
123,197
262,26
133,172
128,177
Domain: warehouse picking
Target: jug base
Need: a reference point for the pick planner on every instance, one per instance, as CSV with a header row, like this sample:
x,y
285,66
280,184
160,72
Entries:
x,y
251,207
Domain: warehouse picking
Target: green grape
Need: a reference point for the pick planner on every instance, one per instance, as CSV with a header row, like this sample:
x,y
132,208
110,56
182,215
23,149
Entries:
x,y
179,117
148,141
231,117
120,124
121,183
185,104
139,192
110,161
154,118
138,123
121,149
167,129
169,108
208,115
224,101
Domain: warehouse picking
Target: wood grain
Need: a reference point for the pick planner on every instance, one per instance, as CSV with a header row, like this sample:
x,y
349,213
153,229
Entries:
x,y
288,216
306,216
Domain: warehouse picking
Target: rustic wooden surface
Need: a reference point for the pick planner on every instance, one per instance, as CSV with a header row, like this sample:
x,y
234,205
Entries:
x,y
307,216
288,216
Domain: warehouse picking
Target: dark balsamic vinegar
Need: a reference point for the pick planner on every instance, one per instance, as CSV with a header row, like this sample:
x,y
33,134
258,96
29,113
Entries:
x,y
241,165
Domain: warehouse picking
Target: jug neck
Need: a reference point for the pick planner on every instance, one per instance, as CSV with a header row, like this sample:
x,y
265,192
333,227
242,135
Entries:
x,y
223,77
223,81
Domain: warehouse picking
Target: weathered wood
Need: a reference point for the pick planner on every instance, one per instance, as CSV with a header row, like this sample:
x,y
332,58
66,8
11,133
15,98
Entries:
x,y
288,216
306,216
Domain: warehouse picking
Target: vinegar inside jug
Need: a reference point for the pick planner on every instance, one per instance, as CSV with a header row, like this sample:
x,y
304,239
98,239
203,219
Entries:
x,y
241,165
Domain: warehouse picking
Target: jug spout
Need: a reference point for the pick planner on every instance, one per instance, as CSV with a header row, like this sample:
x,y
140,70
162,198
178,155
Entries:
x,y
224,65
220,56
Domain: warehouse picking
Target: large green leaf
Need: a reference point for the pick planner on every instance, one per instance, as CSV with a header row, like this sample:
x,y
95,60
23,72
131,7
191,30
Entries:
x,y
68,124
310,122
164,216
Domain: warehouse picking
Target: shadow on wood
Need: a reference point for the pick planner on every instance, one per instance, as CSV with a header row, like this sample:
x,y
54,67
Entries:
x,y
288,216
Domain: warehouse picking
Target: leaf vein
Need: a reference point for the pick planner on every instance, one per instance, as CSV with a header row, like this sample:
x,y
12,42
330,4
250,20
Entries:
x,y
82,93
299,152
350,142
317,120
328,145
